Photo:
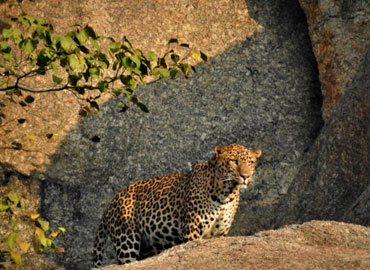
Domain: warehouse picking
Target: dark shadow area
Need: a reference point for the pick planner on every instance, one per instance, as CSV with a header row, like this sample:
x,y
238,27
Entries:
x,y
6,171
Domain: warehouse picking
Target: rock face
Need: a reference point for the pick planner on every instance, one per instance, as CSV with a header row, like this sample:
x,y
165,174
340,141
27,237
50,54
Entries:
x,y
313,245
340,36
333,182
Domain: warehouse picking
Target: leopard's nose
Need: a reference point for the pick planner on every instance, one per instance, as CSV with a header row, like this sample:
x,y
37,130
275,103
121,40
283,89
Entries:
x,y
244,176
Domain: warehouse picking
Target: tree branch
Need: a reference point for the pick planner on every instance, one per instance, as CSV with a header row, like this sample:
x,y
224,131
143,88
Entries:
x,y
26,89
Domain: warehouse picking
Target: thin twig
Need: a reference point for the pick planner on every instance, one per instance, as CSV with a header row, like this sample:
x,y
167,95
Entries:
x,y
26,89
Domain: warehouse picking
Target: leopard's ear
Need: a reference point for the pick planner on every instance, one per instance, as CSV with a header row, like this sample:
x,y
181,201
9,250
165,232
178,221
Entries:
x,y
257,152
218,151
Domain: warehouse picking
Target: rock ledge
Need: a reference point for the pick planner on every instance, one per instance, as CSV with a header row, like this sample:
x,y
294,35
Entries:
x,y
312,245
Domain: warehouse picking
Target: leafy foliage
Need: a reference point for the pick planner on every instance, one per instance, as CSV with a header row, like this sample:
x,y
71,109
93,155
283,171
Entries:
x,y
76,62
13,242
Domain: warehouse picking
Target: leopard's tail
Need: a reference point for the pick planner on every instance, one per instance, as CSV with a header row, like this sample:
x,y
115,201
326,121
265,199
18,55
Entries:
x,y
99,244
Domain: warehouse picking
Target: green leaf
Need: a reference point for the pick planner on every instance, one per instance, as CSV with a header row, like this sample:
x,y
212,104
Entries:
x,y
7,33
95,44
24,245
41,236
34,216
63,61
132,84
103,85
11,240
104,62
14,33
16,257
74,62
4,47
126,62
43,223
135,59
163,72
173,73
41,21
82,36
185,68
114,47
74,78
13,197
94,72
125,79
4,206
91,32
50,243
175,58
151,56
44,57
25,19
28,45
7,56
54,67
129,81
67,42
54,234
62,230
29,99
57,80
196,55
41,248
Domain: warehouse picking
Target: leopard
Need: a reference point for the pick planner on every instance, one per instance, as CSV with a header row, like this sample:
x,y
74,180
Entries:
x,y
149,216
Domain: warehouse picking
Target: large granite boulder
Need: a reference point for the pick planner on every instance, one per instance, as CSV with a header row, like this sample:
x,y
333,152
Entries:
x,y
313,245
333,181
340,36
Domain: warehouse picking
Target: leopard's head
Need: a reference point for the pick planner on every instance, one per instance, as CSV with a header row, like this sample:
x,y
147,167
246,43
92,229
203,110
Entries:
x,y
237,163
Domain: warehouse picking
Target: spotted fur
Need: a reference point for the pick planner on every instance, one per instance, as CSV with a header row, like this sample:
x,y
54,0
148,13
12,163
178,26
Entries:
x,y
151,215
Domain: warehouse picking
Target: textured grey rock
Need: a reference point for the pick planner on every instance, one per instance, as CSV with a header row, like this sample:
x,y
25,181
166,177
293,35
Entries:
x,y
333,182
263,92
340,36
298,247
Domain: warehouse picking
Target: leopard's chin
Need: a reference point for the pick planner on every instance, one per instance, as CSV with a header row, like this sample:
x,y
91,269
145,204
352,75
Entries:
x,y
244,183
